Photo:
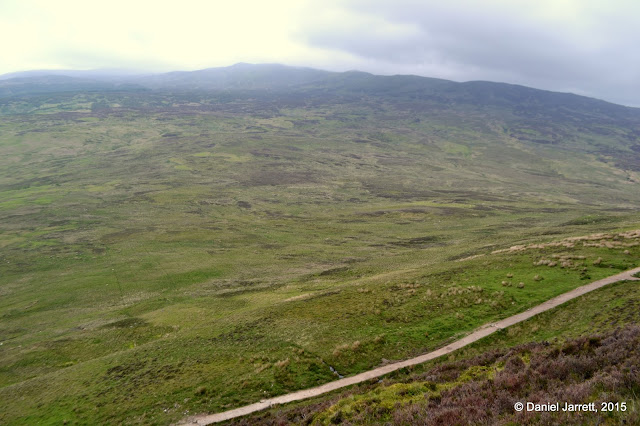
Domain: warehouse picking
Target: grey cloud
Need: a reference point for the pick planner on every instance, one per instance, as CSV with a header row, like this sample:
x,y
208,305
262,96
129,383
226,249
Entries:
x,y
591,51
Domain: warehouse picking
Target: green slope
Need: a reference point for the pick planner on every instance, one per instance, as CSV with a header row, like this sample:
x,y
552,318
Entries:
x,y
171,251
580,353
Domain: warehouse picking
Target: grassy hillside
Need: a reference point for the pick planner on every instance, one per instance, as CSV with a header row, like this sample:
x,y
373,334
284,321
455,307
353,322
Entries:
x,y
171,252
580,353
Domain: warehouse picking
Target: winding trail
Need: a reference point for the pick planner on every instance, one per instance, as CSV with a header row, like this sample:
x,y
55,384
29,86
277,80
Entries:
x,y
478,334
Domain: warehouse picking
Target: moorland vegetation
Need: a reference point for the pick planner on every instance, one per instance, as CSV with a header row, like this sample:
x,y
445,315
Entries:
x,y
191,243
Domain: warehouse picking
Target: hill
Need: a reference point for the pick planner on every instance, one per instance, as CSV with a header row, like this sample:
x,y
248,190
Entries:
x,y
191,242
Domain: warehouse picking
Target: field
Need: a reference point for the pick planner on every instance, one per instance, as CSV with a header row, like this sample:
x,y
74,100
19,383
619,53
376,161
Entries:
x,y
165,255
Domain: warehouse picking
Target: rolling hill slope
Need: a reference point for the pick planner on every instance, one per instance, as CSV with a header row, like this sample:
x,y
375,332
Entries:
x,y
191,242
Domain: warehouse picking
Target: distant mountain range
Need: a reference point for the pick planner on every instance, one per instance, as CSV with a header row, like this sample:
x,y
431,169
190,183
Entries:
x,y
539,117
313,82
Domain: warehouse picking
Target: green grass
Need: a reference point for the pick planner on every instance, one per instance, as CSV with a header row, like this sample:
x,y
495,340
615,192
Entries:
x,y
161,260
599,312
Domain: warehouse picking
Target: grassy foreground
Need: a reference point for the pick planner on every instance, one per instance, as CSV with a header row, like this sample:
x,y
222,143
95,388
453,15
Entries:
x,y
582,352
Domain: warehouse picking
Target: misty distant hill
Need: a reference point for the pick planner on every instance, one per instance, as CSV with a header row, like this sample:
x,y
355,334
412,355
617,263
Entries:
x,y
97,74
309,82
236,77
53,83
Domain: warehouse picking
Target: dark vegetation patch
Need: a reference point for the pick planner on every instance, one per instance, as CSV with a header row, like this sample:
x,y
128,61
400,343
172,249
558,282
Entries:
x,y
274,177
590,220
396,161
415,210
125,233
420,242
628,162
334,271
544,173
551,232
470,195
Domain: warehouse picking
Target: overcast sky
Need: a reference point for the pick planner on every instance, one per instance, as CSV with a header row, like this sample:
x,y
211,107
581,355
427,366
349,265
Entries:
x,y
587,47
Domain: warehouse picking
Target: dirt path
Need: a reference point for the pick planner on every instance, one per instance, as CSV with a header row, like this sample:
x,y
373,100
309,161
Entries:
x,y
481,332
